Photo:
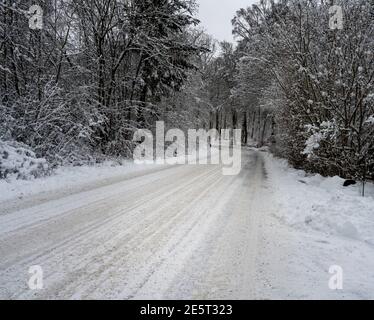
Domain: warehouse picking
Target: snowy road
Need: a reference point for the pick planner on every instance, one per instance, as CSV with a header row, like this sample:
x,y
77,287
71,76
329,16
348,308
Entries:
x,y
176,232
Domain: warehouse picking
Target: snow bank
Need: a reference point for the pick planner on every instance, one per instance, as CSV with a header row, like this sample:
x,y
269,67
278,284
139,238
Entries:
x,y
18,161
315,223
68,177
323,204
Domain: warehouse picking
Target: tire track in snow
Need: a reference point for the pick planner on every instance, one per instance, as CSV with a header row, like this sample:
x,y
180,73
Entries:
x,y
138,241
102,227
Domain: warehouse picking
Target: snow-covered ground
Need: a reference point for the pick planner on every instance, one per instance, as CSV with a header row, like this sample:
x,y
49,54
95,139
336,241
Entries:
x,y
66,181
315,223
186,232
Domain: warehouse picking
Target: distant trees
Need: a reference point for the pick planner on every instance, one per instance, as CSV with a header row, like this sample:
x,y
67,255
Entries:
x,y
219,84
191,107
323,78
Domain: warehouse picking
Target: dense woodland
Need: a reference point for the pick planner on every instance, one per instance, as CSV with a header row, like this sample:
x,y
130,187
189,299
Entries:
x,y
75,91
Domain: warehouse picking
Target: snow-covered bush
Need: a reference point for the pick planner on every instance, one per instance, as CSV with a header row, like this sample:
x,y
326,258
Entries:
x,y
19,162
62,127
323,133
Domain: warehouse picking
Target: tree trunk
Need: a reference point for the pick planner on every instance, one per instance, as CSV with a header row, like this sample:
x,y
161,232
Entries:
x,y
245,129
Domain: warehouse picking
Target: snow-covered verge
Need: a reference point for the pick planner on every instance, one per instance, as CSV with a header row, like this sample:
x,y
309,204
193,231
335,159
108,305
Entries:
x,y
18,161
316,223
67,177
323,204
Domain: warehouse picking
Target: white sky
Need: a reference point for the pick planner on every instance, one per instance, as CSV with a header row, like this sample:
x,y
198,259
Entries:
x,y
216,16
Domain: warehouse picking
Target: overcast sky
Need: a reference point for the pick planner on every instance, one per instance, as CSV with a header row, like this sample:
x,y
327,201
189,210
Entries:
x,y
216,16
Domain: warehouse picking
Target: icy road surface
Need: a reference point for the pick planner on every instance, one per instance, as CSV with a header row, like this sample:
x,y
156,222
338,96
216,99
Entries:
x,y
176,232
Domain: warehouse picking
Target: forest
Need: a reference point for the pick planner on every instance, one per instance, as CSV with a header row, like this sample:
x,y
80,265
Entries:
x,y
74,89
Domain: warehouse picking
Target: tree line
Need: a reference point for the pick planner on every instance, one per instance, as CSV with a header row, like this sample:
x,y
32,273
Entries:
x,y
76,90
304,88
